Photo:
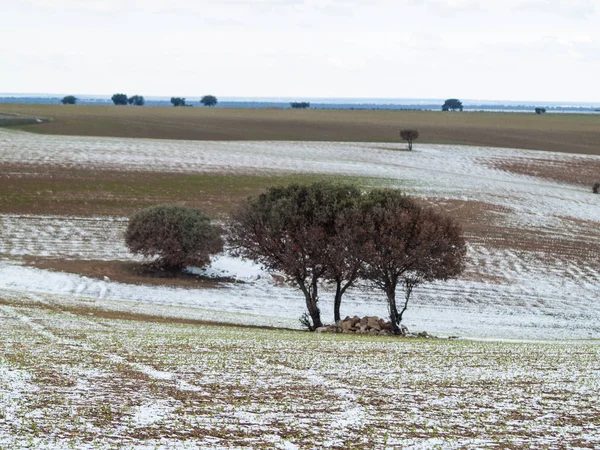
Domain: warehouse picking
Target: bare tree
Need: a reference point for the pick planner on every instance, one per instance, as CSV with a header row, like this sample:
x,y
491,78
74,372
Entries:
x,y
408,245
409,136
292,230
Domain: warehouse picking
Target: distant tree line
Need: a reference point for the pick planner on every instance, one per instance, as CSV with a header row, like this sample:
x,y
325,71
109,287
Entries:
x,y
122,99
207,100
300,105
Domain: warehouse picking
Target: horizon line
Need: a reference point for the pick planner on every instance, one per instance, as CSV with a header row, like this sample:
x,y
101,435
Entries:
x,y
316,99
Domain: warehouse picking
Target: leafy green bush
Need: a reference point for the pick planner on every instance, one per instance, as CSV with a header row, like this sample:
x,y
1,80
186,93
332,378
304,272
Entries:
x,y
176,236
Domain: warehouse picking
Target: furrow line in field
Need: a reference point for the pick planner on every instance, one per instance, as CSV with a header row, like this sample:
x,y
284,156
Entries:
x,y
147,370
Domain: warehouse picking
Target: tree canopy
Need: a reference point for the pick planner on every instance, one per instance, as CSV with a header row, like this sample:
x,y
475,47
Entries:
x,y
119,99
407,244
300,105
175,235
209,100
452,104
69,100
325,231
178,101
292,230
136,100
409,136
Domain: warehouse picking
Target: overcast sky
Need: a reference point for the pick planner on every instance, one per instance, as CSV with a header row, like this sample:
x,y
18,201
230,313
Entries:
x,y
478,49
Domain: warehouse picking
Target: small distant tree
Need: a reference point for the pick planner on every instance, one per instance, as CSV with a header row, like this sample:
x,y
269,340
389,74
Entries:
x,y
596,188
209,100
178,101
136,100
409,136
175,235
408,244
300,105
540,110
69,100
452,104
119,99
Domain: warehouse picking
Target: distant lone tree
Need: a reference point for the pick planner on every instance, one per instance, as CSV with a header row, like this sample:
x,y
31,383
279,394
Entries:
x,y
119,99
175,235
69,100
407,244
300,105
540,110
209,100
452,104
596,188
293,230
178,101
409,136
136,100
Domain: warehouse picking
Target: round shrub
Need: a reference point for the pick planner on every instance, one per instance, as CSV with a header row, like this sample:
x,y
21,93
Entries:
x,y
175,235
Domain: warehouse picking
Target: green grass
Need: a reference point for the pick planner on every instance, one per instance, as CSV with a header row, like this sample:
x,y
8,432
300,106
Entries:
x,y
573,133
63,191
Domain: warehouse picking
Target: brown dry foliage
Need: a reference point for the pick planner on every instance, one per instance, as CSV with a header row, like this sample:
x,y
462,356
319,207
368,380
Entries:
x,y
323,231
291,229
406,243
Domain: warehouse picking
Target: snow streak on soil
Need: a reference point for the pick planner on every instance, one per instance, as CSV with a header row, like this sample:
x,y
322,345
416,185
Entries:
x,y
63,237
533,274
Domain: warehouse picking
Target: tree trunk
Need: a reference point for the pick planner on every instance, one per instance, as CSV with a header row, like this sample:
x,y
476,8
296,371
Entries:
x,y
410,146
313,309
337,302
408,288
393,309
310,295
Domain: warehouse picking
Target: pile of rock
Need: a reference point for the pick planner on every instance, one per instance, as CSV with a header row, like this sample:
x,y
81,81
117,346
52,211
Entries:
x,y
370,325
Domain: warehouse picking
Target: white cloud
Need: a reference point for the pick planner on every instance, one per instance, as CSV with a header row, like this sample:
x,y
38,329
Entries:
x,y
386,48
577,9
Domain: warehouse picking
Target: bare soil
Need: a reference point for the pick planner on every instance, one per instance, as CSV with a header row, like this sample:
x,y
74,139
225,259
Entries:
x,y
129,272
576,171
570,133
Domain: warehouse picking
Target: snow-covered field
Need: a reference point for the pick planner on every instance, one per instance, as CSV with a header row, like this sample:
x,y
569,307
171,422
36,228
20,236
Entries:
x,y
75,374
78,380
533,274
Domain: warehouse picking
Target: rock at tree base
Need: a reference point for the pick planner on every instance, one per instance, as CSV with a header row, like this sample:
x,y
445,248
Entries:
x,y
370,326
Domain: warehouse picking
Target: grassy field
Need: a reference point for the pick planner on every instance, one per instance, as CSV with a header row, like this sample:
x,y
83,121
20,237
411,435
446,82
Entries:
x,y
553,132
55,190
77,378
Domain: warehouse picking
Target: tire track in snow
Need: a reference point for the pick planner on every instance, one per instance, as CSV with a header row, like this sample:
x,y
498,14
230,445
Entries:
x,y
41,330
